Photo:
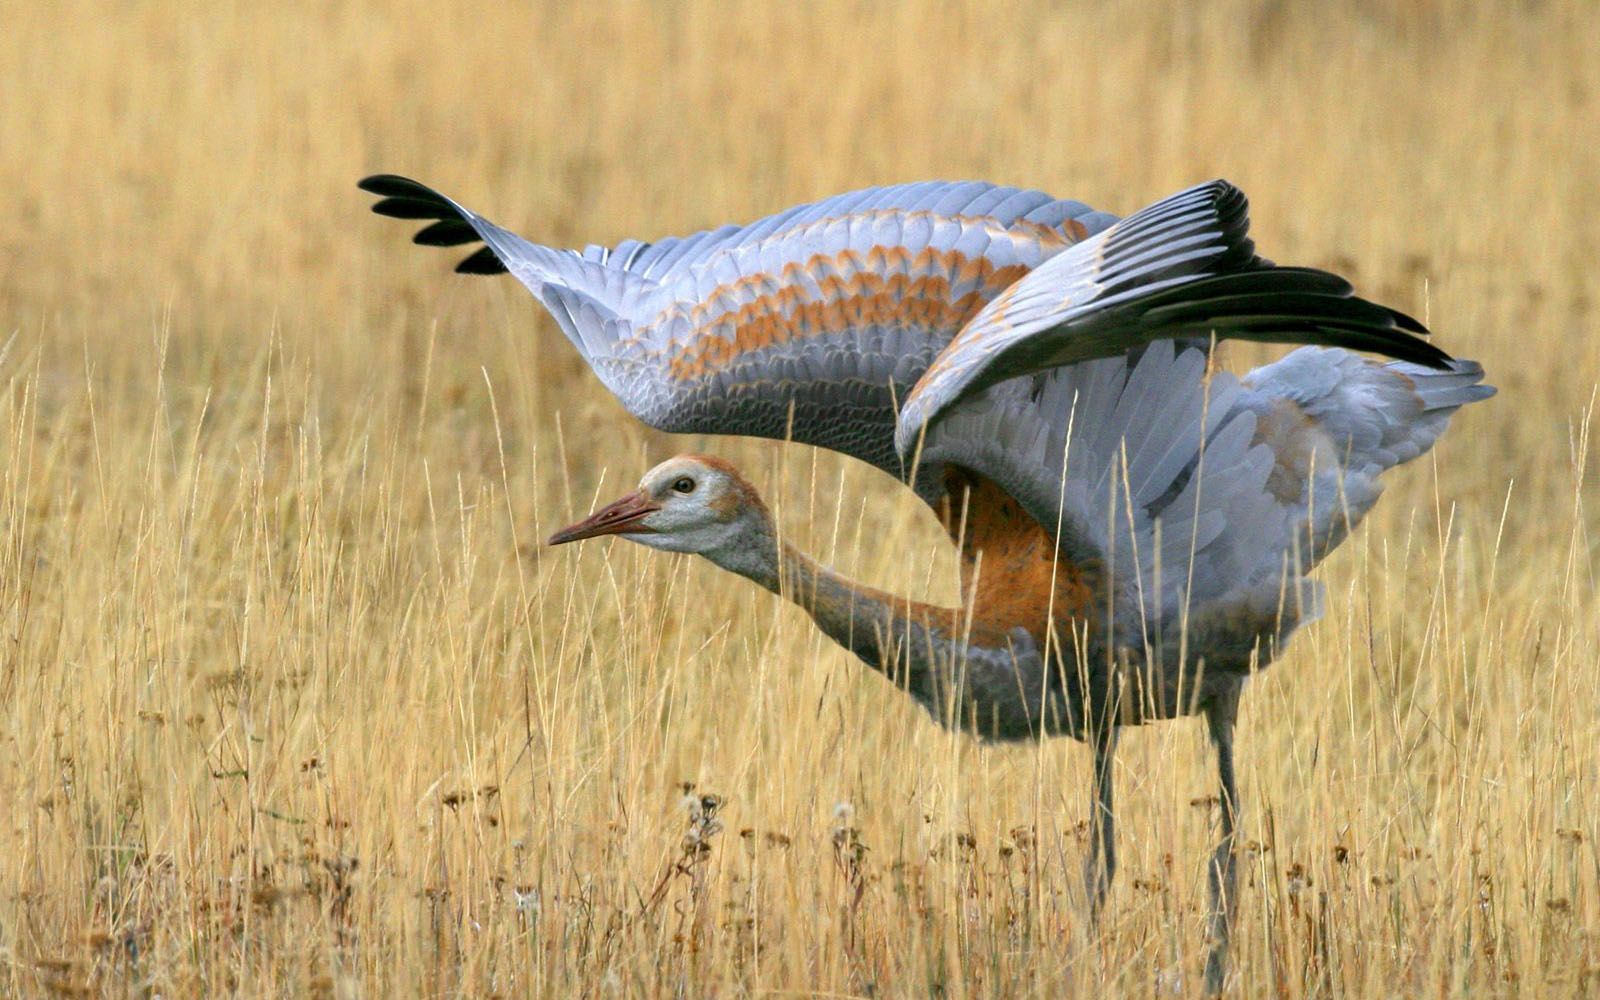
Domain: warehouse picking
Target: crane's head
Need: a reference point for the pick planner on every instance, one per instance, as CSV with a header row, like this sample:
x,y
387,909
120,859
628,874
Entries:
x,y
692,503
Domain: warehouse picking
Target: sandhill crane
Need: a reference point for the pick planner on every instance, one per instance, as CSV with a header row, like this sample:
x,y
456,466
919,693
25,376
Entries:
x,y
1135,529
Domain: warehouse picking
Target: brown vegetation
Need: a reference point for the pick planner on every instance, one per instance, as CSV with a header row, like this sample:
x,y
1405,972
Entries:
x,y
292,701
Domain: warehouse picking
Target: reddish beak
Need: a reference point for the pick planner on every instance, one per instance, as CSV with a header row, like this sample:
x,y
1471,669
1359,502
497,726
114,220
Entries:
x,y
620,518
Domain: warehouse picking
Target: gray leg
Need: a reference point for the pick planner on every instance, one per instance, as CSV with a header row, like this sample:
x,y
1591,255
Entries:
x,y
1220,715
1101,866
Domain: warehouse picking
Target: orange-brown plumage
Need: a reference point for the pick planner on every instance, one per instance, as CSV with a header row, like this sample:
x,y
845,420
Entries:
x,y
846,297
839,271
1293,436
1013,574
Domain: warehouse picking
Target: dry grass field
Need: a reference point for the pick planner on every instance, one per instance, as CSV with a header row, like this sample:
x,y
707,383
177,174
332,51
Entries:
x,y
294,702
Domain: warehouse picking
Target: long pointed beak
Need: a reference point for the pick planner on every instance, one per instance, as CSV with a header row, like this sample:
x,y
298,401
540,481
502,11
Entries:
x,y
619,518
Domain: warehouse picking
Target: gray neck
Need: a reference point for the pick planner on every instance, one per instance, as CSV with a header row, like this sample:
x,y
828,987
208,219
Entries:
x,y
918,647
857,618
756,556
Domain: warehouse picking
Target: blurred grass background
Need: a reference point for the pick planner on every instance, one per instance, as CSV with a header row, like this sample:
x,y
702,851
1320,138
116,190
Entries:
x,y
293,702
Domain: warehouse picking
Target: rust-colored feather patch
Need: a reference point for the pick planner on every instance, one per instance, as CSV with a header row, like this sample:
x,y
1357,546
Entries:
x,y
1021,580
1295,440
933,290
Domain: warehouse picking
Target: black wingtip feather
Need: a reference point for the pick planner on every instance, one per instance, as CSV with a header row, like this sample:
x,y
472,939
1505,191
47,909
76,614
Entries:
x,y
1405,322
404,198
1255,304
398,207
1334,333
1233,213
482,262
395,186
446,233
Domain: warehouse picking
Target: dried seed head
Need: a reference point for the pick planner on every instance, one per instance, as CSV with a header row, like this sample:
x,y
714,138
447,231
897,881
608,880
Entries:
x,y
526,898
1297,877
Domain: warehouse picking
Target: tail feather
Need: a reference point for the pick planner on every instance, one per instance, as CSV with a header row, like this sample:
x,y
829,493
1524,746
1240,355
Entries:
x,y
1331,423
1447,390
1337,422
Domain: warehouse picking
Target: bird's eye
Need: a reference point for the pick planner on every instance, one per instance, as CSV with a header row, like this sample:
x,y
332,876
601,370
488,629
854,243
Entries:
x,y
684,485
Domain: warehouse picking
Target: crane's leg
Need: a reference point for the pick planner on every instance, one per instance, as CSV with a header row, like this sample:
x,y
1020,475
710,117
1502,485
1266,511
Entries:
x,y
1223,881
1101,865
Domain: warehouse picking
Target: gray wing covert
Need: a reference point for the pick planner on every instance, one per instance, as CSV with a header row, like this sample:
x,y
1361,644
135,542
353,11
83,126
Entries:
x,y
661,258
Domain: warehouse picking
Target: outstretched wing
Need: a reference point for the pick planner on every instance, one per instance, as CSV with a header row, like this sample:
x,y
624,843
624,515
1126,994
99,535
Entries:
x,y
810,324
1183,267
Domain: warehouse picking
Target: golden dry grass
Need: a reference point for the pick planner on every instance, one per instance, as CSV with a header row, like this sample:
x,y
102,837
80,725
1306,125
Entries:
x,y
292,702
